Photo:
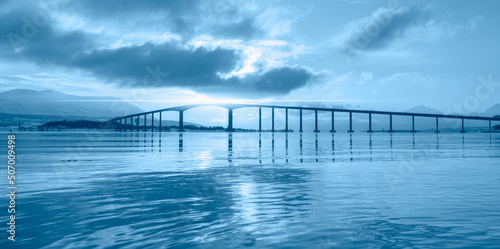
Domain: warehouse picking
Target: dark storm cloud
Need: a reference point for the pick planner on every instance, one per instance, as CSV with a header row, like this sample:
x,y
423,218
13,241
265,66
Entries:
x,y
23,40
185,17
115,8
383,27
245,28
27,32
170,64
188,18
177,16
163,65
282,80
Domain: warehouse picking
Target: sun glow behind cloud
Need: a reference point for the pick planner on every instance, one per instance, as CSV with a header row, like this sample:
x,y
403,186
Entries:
x,y
264,54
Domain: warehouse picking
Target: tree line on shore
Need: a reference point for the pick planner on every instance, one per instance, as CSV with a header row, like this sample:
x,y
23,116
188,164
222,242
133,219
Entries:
x,y
87,124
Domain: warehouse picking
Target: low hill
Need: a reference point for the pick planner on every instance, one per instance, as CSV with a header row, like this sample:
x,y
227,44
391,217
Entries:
x,y
492,111
424,109
31,102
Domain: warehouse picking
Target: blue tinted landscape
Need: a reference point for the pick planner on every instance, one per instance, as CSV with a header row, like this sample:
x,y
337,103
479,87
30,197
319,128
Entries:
x,y
212,190
249,124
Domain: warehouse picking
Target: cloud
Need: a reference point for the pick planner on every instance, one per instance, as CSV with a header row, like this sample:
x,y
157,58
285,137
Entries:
x,y
155,65
380,29
188,18
431,31
245,28
167,61
404,77
387,26
179,16
353,1
168,65
365,76
163,65
474,22
280,80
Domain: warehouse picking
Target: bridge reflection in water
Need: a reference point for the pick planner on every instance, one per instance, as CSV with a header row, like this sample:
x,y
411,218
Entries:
x,y
278,148
132,122
262,190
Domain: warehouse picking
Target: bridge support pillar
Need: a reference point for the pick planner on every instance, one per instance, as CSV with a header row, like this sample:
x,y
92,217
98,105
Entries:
x,y
333,122
145,122
413,124
490,124
260,119
463,130
390,123
370,122
181,121
300,130
316,121
136,122
152,122
272,127
286,119
437,125
159,128
229,120
350,122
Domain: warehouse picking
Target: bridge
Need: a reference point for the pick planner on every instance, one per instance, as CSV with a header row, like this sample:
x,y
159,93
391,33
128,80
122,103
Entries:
x,y
129,119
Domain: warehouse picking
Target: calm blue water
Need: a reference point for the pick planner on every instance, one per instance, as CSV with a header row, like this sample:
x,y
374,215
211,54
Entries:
x,y
219,190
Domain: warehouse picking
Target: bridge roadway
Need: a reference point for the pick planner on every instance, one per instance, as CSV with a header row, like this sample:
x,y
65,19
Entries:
x,y
230,107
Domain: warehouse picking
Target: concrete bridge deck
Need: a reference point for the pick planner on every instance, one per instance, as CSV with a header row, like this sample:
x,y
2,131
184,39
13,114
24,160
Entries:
x,y
230,107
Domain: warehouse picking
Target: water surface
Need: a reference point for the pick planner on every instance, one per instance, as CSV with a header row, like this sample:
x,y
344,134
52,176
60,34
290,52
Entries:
x,y
223,190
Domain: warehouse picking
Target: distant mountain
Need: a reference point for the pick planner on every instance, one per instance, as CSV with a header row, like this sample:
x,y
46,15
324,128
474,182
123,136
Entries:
x,y
424,109
31,102
492,111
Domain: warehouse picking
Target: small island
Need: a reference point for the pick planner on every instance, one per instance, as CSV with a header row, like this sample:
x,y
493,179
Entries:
x,y
88,124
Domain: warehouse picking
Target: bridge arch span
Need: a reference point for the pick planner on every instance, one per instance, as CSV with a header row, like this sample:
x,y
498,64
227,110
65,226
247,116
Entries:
x,y
230,107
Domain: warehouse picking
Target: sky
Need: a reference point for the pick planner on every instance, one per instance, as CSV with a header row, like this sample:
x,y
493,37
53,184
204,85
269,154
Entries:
x,y
366,54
